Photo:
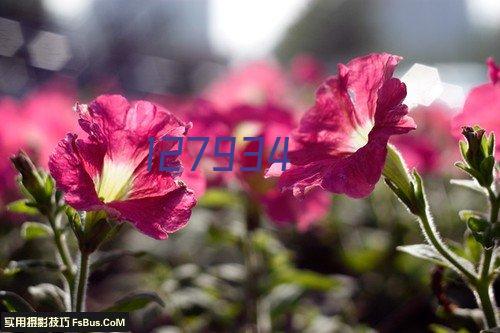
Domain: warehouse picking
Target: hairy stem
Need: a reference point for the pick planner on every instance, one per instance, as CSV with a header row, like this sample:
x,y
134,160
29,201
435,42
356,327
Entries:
x,y
81,290
434,239
484,286
68,271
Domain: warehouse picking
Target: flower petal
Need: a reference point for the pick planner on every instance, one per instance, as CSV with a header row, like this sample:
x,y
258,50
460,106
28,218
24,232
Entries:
x,y
357,174
285,209
67,166
158,216
366,75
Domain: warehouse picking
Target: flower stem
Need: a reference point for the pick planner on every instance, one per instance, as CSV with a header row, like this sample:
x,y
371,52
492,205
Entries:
x,y
434,239
81,291
252,221
68,271
484,285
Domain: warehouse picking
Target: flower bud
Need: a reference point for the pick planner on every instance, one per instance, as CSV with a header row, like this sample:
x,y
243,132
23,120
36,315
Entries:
x,y
480,228
396,171
408,189
478,154
32,181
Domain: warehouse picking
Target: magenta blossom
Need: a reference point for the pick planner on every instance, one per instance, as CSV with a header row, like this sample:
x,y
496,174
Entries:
x,y
306,69
108,169
282,208
342,139
256,83
34,124
482,105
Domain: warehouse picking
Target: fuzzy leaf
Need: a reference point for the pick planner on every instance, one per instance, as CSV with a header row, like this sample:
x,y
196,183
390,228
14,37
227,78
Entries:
x,y
26,265
33,230
423,251
470,184
22,207
218,198
47,294
477,225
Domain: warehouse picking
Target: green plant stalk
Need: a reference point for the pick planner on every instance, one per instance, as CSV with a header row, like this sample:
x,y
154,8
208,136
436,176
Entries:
x,y
485,295
433,237
252,222
81,290
63,251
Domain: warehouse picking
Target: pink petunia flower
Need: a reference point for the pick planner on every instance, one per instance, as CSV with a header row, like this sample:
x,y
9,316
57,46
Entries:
x,y
34,124
482,105
108,169
243,120
342,139
306,69
282,208
256,83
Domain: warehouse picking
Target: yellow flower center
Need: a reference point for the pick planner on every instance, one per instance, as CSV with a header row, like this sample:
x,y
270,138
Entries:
x,y
359,137
246,129
115,180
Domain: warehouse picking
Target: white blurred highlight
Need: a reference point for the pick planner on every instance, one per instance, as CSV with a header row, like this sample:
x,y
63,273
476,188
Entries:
x,y
424,86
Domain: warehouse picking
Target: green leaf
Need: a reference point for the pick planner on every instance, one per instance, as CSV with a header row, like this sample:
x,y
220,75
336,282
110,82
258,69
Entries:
x,y
48,295
466,214
424,251
477,225
399,193
22,207
135,302
491,144
473,249
28,265
469,184
15,303
48,183
33,230
218,198
75,221
463,148
473,173
487,169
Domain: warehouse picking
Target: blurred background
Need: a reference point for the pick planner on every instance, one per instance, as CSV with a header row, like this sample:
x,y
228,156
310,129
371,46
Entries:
x,y
178,46
341,275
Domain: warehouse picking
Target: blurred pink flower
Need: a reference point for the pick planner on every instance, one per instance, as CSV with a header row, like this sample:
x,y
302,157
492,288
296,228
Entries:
x,y
306,69
342,139
268,121
196,179
256,83
210,123
282,208
482,105
35,125
432,148
108,170
493,70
